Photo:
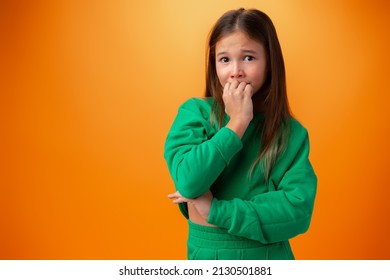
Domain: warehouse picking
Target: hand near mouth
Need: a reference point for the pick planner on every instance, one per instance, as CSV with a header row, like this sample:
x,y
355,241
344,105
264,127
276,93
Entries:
x,y
237,97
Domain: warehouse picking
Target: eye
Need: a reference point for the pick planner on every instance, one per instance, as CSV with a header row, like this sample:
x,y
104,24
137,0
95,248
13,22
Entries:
x,y
248,58
224,59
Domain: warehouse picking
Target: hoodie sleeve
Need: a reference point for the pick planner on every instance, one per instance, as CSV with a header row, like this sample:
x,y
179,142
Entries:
x,y
196,153
281,213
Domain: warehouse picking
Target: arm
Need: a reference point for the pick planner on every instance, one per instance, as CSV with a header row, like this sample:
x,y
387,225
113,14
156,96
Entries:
x,y
196,153
276,215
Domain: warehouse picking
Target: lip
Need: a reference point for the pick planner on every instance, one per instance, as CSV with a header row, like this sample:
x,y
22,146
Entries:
x,y
248,83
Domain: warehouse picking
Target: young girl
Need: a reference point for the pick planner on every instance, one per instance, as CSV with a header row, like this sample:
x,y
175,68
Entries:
x,y
238,159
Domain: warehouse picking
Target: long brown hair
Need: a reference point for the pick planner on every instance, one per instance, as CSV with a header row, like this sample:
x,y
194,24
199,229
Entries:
x,y
272,96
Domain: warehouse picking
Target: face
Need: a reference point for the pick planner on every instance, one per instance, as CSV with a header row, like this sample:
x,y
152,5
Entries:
x,y
240,58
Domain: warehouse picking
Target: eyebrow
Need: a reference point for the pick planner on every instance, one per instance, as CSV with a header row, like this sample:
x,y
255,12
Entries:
x,y
244,51
249,51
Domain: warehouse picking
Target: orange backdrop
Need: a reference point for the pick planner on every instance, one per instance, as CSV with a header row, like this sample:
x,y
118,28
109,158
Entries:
x,y
89,90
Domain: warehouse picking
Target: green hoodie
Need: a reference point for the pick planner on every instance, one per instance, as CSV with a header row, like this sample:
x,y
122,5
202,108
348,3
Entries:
x,y
201,157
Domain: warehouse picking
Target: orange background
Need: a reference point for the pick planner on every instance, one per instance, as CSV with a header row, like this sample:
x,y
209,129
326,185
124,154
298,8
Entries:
x,y
89,90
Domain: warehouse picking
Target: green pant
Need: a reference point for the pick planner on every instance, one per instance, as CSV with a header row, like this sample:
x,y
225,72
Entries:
x,y
210,243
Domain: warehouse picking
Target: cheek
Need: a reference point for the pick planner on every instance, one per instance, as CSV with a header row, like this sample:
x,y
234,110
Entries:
x,y
263,76
221,74
259,76
262,72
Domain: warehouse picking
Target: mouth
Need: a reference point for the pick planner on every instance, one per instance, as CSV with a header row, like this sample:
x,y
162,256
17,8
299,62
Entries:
x,y
248,83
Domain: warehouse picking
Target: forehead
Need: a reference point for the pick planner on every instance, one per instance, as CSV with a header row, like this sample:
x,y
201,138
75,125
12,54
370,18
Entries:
x,y
237,41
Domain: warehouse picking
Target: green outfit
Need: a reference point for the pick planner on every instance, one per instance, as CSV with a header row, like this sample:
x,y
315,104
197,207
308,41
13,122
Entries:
x,y
258,216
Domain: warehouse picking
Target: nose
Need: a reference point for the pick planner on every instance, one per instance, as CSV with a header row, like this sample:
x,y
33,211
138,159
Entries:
x,y
236,71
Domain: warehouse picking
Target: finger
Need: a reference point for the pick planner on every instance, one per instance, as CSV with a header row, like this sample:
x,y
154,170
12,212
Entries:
x,y
233,85
175,198
241,87
174,195
181,200
248,90
176,201
226,89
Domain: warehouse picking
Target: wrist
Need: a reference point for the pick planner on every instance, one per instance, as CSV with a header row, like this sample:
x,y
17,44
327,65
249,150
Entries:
x,y
239,125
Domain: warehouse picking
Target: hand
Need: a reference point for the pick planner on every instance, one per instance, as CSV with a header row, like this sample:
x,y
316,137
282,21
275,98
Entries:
x,y
202,203
237,97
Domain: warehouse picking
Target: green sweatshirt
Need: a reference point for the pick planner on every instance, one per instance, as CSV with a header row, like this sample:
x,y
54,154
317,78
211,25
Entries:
x,y
201,157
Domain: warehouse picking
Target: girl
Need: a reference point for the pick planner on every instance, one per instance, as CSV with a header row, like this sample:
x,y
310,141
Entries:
x,y
238,159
